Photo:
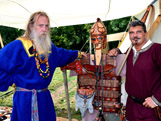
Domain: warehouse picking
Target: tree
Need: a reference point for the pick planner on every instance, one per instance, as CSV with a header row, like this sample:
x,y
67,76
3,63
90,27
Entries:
x,y
9,34
71,37
116,26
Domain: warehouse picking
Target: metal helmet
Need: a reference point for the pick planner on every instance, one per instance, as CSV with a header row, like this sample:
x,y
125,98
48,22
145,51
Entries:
x,y
98,35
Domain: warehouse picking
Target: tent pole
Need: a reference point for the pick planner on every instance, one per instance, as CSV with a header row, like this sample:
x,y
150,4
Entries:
x,y
67,94
160,6
1,41
123,63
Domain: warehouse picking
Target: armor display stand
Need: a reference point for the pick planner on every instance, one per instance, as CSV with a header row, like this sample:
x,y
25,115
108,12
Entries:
x,y
108,116
98,85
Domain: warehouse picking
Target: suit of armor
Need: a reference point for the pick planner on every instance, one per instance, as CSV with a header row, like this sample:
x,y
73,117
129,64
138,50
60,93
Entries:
x,y
98,85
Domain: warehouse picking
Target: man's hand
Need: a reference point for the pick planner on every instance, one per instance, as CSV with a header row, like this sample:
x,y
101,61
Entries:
x,y
84,54
149,103
80,54
113,52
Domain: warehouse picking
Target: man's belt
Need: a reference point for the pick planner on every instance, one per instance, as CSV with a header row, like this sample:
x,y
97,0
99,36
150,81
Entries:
x,y
140,101
34,105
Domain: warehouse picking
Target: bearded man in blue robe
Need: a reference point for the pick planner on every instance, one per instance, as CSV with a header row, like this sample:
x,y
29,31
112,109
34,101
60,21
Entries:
x,y
29,62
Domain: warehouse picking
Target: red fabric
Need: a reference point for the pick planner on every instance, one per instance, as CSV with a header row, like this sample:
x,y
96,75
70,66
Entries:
x,y
143,79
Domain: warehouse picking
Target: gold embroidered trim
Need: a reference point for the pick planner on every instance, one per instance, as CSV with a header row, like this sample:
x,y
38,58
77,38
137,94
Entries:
x,y
79,54
27,44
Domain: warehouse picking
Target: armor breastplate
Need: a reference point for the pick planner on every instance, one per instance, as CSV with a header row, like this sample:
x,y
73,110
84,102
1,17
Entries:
x,y
111,85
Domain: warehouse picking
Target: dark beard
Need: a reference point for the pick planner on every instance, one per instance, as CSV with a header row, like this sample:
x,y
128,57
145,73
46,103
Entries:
x,y
135,39
136,43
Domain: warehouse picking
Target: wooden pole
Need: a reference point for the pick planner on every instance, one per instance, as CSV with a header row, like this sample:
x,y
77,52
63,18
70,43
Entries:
x,y
160,6
123,63
67,94
1,41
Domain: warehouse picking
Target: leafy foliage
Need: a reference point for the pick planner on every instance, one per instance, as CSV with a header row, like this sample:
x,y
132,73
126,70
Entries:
x,y
117,25
71,37
9,34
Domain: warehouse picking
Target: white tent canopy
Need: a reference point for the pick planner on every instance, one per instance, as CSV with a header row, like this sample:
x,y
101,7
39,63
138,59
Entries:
x,y
153,21
15,13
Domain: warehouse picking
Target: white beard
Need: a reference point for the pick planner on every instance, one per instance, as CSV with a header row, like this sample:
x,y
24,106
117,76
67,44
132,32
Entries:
x,y
42,43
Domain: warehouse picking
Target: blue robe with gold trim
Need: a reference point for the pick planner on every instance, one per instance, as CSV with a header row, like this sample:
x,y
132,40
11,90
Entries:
x,y
18,66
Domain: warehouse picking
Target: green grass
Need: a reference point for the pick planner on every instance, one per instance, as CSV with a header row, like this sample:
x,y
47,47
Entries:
x,y
58,80
7,100
61,107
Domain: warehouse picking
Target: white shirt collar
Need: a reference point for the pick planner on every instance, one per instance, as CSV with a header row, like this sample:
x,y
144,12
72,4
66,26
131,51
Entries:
x,y
144,46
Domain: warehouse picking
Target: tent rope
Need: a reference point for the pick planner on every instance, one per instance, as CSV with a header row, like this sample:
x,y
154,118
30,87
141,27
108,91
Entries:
x,y
20,5
109,5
